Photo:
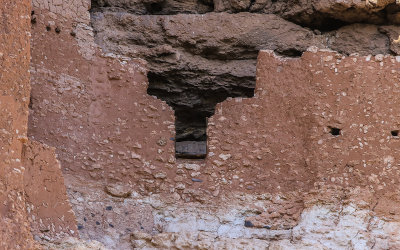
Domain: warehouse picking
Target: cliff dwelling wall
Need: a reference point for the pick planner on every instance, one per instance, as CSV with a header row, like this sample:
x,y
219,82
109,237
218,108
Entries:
x,y
302,125
201,52
14,50
33,197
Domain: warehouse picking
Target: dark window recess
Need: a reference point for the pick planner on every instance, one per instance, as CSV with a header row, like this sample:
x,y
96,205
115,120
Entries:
x,y
191,134
335,131
193,105
395,132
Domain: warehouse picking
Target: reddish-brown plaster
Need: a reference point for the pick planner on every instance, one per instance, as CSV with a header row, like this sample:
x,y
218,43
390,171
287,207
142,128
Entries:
x,y
107,130
48,207
282,140
97,113
14,98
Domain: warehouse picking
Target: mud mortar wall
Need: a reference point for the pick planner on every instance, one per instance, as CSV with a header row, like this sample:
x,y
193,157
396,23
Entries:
x,y
201,52
95,110
14,98
31,183
306,187
274,177
47,204
286,129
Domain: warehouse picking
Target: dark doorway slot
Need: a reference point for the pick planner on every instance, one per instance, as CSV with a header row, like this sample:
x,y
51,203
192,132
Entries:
x,y
191,134
395,132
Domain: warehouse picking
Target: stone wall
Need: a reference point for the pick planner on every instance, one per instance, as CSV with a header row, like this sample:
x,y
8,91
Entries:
x,y
311,161
197,57
275,175
307,185
32,192
14,98
109,134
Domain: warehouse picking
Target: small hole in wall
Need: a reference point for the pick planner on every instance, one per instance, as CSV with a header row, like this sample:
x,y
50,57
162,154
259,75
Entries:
x,y
48,28
30,105
395,132
334,131
33,17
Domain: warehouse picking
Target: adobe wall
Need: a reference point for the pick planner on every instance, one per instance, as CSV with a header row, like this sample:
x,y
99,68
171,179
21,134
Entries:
x,y
274,175
307,188
283,134
33,199
111,137
14,98
47,205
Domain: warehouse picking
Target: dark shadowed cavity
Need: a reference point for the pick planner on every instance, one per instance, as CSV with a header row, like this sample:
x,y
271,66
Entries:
x,y
192,106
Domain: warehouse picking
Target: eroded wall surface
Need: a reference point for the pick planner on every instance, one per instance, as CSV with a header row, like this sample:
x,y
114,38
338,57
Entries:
x,y
198,57
274,176
307,187
47,204
95,110
33,199
14,98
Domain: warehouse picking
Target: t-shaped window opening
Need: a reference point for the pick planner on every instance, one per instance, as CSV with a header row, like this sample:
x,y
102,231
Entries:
x,y
193,106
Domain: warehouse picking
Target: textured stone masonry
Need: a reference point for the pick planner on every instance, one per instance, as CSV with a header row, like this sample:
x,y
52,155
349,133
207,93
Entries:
x,y
311,161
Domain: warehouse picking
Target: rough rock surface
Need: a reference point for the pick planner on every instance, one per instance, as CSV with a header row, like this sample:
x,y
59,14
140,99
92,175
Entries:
x,y
325,14
71,243
157,6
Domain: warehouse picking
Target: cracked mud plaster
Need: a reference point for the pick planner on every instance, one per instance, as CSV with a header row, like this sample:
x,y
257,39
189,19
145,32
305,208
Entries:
x,y
75,10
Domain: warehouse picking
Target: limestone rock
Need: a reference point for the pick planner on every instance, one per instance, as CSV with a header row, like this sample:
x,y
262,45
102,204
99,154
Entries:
x,y
117,190
71,243
360,38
